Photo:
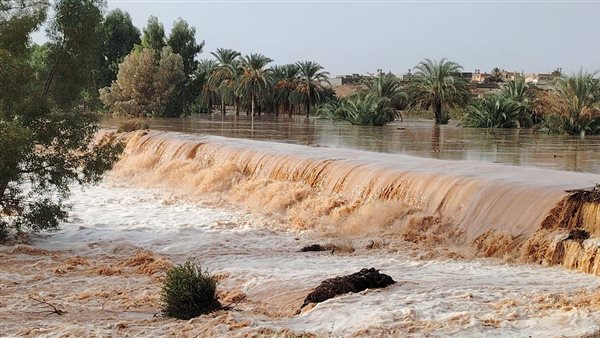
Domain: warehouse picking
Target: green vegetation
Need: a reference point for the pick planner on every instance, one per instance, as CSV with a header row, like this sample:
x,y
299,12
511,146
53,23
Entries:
x,y
493,111
573,105
145,83
360,109
132,125
188,291
436,85
47,126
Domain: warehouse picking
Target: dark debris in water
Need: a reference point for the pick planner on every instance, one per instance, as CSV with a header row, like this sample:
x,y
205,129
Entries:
x,y
356,282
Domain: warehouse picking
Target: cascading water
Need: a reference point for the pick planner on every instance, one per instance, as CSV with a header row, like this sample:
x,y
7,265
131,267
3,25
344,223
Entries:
x,y
484,209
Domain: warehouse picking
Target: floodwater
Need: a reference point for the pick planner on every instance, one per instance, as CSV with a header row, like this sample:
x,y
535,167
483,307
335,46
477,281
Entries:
x,y
477,248
260,259
418,138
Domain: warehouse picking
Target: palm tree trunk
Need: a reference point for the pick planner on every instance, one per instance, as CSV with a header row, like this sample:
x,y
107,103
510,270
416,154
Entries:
x,y
252,98
308,102
237,106
438,112
222,105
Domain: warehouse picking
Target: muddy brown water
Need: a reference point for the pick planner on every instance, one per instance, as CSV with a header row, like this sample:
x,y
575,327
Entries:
x,y
417,138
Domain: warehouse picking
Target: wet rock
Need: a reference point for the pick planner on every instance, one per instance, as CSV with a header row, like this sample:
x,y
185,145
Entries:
x,y
578,235
356,282
317,247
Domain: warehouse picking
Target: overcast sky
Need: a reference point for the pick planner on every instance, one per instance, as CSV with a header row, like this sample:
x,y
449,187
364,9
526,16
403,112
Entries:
x,y
362,36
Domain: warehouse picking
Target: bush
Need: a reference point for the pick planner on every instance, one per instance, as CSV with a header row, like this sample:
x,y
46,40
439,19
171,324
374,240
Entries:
x,y
188,292
495,111
360,109
132,125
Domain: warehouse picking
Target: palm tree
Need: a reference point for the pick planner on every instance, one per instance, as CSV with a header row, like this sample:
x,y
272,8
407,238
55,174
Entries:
x,y
574,104
255,78
284,81
366,109
388,86
224,76
521,92
203,73
437,85
493,111
311,80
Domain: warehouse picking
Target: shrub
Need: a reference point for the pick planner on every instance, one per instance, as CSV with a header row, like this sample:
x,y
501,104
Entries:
x,y
188,291
132,125
495,111
360,109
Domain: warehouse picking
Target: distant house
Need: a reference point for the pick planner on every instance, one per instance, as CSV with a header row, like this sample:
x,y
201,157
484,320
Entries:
x,y
346,79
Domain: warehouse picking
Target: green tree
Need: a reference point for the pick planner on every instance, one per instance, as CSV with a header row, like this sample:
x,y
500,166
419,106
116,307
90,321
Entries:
x,y
74,39
119,35
208,93
154,35
183,42
311,82
225,76
255,78
144,85
285,82
47,136
437,85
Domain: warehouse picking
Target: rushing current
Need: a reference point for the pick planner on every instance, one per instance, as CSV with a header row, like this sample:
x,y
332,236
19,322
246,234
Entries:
x,y
477,248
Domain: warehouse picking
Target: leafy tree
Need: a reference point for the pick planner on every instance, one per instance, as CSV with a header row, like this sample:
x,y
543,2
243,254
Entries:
x,y
255,79
46,133
154,35
74,39
311,82
144,85
493,111
119,35
437,85
573,105
183,42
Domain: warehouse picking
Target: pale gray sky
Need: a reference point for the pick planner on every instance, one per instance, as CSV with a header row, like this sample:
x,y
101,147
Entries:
x,y
361,36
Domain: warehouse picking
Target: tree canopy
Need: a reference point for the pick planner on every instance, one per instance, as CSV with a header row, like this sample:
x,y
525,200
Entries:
x,y
47,135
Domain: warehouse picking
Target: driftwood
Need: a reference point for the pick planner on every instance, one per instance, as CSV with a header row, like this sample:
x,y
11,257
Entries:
x,y
53,309
356,282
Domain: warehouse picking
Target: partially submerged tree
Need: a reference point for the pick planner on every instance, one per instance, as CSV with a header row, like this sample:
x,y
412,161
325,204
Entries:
x,y
437,85
144,84
572,106
46,133
255,77
493,111
312,78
